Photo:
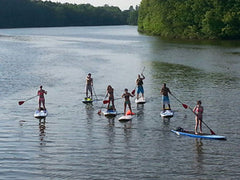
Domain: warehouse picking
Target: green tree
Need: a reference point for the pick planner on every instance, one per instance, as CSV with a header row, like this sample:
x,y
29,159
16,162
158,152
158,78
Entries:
x,y
209,19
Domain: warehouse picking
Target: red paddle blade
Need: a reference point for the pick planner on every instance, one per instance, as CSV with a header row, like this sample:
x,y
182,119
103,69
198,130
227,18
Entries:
x,y
185,106
106,101
99,112
213,133
20,102
133,92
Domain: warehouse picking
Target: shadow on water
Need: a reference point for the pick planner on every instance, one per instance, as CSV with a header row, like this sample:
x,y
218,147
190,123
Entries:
x,y
186,76
200,43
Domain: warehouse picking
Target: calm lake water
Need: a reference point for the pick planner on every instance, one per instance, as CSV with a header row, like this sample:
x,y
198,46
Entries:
x,y
76,143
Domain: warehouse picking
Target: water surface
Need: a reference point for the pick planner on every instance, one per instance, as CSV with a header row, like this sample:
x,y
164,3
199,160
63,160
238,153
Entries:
x,y
76,143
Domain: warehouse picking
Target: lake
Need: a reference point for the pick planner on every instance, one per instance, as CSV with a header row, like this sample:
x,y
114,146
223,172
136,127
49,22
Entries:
x,y
75,142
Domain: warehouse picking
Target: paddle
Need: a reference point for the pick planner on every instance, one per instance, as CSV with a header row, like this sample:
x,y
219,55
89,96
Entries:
x,y
184,105
100,110
107,101
94,92
212,132
21,102
133,91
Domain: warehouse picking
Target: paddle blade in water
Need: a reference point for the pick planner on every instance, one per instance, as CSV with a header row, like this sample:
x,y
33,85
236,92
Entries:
x,y
99,112
20,102
213,133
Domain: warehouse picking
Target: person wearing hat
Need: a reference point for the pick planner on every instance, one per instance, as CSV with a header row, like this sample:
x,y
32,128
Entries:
x,y
127,101
41,100
89,84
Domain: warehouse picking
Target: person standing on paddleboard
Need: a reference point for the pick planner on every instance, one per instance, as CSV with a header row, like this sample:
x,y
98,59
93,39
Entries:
x,y
41,100
198,111
110,95
164,91
127,101
139,83
89,84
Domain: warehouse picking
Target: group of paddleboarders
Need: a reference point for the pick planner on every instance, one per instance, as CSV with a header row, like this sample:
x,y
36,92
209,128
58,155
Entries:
x,y
198,109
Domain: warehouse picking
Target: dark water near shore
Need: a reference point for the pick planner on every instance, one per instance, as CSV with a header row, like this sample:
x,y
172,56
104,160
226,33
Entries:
x,y
76,143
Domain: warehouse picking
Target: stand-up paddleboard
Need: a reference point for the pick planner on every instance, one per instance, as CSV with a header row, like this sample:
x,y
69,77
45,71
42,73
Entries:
x,y
87,100
125,118
180,131
140,100
109,113
168,113
40,114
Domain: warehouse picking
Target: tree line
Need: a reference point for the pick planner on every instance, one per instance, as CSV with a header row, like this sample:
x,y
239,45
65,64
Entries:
x,y
36,13
191,19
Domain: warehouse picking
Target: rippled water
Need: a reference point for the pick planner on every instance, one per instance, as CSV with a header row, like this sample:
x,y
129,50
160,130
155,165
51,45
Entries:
x,y
76,143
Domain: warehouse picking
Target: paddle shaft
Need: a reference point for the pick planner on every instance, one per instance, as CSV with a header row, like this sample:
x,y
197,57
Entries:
x,y
107,101
184,105
94,92
21,102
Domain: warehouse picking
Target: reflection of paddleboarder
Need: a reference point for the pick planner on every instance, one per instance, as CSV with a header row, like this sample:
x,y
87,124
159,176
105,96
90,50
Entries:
x,y
89,84
41,100
164,91
127,101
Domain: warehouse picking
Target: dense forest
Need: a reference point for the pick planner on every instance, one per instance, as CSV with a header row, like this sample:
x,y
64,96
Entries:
x,y
36,13
191,19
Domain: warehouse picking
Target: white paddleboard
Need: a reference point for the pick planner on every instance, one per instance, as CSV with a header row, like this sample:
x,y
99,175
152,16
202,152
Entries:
x,y
140,100
167,113
109,113
40,114
125,118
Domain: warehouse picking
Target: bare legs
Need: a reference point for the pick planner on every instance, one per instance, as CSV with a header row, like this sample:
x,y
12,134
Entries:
x,y
198,123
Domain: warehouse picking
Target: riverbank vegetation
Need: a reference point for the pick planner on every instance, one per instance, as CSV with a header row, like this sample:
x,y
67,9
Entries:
x,y
190,19
36,13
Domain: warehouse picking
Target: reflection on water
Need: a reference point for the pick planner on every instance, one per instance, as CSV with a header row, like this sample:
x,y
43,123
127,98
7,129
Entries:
x,y
89,111
42,128
199,155
111,121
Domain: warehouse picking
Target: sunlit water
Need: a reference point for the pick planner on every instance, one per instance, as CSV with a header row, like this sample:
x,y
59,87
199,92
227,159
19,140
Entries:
x,y
76,143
